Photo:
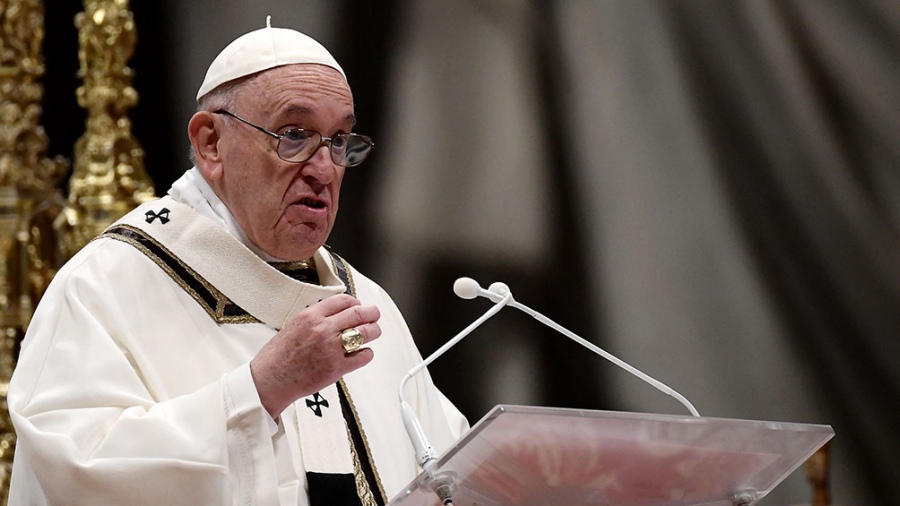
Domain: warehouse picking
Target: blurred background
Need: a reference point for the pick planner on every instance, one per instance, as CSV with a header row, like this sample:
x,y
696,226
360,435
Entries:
x,y
708,189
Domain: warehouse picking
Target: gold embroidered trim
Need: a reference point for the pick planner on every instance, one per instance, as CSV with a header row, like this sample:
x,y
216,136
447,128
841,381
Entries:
x,y
343,262
357,471
362,486
294,265
221,301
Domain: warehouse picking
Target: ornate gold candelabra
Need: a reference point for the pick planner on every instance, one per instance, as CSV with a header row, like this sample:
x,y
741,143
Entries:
x,y
108,179
39,229
28,195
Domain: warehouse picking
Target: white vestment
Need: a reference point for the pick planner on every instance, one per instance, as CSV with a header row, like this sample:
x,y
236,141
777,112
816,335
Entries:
x,y
133,385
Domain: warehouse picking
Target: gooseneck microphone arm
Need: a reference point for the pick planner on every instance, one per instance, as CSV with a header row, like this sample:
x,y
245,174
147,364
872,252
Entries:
x,y
501,290
500,295
425,454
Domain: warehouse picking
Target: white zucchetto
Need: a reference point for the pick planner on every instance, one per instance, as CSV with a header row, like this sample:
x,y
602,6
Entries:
x,y
264,49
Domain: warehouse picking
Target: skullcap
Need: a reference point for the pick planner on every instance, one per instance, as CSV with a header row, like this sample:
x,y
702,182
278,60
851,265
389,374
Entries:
x,y
264,49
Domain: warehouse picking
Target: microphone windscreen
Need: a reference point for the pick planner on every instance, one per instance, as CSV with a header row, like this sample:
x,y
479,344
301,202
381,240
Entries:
x,y
466,288
499,288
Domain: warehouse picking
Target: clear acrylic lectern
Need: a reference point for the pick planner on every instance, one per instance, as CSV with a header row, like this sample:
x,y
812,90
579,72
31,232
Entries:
x,y
519,455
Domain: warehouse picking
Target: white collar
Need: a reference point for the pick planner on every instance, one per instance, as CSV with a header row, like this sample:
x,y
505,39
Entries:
x,y
193,190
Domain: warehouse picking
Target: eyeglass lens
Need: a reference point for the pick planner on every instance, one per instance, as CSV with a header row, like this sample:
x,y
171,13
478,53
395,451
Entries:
x,y
298,145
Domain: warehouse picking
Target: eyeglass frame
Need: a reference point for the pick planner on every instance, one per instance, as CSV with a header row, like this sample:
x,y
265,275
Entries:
x,y
366,139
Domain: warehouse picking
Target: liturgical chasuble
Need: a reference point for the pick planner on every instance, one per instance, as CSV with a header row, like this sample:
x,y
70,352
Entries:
x,y
136,386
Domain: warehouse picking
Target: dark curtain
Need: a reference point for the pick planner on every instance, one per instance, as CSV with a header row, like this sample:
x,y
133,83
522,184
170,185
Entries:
x,y
821,228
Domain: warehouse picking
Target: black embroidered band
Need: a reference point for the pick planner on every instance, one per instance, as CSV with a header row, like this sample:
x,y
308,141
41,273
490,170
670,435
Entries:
x,y
214,302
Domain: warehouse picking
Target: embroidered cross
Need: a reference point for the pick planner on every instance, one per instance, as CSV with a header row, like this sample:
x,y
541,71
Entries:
x,y
163,216
317,403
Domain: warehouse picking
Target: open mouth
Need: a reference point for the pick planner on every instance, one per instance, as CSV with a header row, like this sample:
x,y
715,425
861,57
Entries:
x,y
313,203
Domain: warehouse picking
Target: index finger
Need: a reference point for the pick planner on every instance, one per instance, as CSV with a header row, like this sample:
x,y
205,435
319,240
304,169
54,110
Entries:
x,y
333,305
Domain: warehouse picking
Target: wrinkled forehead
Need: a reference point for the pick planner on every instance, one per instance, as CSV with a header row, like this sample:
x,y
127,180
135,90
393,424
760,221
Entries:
x,y
300,94
289,85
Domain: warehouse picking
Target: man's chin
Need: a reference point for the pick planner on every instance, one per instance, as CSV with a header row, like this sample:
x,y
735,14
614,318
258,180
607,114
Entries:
x,y
298,248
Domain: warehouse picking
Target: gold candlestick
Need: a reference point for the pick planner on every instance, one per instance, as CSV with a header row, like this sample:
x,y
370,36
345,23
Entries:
x,y
108,178
38,228
28,188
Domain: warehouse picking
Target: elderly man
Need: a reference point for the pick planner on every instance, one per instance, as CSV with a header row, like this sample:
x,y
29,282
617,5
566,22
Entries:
x,y
207,349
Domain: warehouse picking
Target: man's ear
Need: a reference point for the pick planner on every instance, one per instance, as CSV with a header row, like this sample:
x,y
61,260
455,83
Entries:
x,y
204,135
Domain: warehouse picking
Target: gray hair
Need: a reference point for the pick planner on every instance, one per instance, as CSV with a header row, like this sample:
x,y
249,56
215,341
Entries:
x,y
222,97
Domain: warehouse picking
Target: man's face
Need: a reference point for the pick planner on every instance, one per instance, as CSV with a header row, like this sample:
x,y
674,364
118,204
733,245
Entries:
x,y
287,209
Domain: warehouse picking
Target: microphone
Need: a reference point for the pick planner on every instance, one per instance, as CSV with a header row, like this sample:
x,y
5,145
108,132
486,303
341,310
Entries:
x,y
466,288
500,294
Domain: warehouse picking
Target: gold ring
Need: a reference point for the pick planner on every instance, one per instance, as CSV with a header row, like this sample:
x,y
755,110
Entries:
x,y
352,340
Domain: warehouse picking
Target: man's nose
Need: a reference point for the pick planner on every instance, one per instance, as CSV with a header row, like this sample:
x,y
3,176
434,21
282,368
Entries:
x,y
320,166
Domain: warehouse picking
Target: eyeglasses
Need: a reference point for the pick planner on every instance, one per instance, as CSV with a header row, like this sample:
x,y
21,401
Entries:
x,y
299,145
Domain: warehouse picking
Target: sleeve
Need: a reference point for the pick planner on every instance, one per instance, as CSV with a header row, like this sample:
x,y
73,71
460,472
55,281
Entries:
x,y
93,427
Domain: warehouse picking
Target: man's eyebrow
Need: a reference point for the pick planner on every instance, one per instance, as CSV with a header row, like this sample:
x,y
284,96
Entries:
x,y
297,109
